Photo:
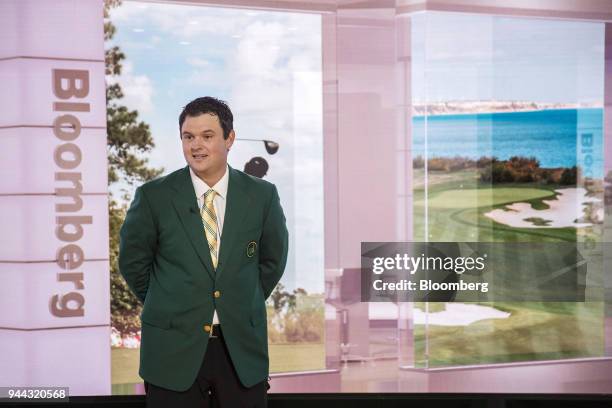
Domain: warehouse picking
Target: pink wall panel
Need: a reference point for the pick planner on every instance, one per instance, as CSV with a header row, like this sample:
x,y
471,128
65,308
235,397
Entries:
x,y
38,38
366,130
51,29
36,174
77,358
40,282
29,98
29,223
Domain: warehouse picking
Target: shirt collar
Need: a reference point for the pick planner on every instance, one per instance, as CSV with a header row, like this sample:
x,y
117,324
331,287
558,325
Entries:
x,y
201,187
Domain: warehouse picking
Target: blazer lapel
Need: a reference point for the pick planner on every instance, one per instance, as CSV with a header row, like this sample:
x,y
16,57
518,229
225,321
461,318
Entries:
x,y
186,206
236,206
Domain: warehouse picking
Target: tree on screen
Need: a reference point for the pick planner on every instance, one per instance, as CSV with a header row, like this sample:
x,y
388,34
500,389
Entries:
x,y
128,141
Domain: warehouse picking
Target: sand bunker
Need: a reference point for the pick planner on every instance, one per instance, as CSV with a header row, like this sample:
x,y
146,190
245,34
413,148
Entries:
x,y
455,314
563,212
458,314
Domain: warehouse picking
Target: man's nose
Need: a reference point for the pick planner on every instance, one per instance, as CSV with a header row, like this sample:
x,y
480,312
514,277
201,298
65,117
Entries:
x,y
198,143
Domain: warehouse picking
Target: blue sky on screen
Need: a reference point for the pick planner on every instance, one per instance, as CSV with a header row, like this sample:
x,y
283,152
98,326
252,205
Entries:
x,y
176,53
479,57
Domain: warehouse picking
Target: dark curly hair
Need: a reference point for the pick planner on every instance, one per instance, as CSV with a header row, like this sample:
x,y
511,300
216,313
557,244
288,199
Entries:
x,y
212,106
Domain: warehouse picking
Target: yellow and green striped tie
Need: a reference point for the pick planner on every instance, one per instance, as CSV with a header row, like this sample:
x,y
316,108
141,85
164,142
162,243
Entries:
x,y
209,218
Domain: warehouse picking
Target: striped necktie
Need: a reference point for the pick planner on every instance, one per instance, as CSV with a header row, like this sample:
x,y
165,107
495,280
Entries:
x,y
209,218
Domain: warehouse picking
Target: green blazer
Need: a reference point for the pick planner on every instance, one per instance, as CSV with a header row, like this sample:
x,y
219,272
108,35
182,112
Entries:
x,y
164,258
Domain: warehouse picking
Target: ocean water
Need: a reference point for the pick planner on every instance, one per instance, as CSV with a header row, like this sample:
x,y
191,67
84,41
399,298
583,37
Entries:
x,y
557,138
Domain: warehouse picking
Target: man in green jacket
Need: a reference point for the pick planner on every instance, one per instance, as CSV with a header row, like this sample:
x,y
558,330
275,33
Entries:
x,y
203,248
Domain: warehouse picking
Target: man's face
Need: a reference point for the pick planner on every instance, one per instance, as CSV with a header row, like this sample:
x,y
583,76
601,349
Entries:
x,y
204,147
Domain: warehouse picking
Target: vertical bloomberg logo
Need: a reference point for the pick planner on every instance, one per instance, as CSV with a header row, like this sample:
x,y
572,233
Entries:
x,y
69,85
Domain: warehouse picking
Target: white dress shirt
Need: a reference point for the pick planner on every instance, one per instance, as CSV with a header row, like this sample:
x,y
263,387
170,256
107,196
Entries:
x,y
219,203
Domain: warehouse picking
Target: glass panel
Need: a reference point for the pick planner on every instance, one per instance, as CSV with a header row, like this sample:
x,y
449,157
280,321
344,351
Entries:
x,y
508,121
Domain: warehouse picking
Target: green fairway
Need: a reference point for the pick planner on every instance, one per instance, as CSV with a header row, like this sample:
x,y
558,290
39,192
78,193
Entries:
x,y
534,331
482,197
283,358
456,203
124,365
296,357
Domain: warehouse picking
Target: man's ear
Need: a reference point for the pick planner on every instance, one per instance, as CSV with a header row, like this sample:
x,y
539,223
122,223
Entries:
x,y
230,139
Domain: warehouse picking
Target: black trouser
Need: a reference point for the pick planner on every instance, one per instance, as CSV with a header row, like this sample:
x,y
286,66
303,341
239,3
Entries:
x,y
217,385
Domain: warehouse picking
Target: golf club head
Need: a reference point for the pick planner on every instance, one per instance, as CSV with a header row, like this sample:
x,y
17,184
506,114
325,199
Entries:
x,y
271,147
